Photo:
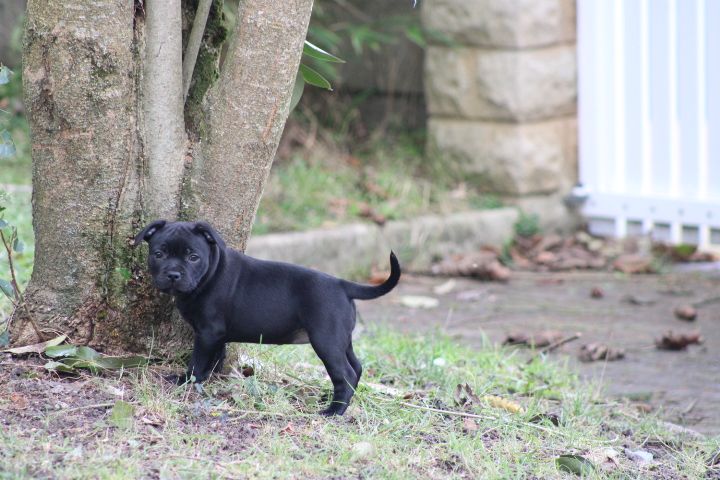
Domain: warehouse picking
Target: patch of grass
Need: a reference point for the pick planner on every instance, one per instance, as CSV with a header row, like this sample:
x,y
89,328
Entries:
x,y
388,181
404,422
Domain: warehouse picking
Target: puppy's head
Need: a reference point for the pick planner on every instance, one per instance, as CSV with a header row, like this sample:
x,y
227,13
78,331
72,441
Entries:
x,y
181,254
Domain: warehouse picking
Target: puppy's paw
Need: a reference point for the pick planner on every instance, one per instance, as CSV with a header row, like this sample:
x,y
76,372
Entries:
x,y
176,379
333,410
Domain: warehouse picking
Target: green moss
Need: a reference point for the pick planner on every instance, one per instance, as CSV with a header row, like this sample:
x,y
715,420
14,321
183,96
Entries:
x,y
206,70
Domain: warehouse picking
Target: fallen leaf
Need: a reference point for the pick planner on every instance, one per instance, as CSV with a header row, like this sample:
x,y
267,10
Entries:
x,y
678,341
469,425
576,464
640,301
686,312
288,429
483,265
36,347
17,401
543,417
445,288
597,292
634,263
464,395
592,352
537,340
418,301
122,414
507,405
366,211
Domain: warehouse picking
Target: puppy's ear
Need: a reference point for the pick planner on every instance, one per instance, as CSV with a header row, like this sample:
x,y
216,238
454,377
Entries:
x,y
213,237
148,232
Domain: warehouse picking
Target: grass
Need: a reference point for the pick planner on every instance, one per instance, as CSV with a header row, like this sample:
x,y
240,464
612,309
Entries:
x,y
266,426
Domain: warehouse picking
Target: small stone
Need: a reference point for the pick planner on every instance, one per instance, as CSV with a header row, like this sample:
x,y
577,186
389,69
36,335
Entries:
x,y
597,292
639,456
362,450
686,312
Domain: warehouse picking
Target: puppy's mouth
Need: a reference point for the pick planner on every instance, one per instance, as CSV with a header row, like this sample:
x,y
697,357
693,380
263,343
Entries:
x,y
174,288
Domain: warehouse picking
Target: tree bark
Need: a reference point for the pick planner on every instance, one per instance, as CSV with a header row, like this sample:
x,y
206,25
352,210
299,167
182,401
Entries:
x,y
163,100
103,93
246,111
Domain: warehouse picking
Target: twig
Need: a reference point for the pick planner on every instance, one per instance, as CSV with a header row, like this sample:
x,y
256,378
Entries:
x,y
554,346
473,415
19,300
193,46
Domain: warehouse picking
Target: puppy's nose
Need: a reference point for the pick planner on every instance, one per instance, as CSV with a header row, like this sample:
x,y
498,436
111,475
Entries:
x,y
173,276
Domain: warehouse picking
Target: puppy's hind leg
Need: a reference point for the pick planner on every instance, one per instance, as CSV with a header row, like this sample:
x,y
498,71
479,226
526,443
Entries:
x,y
354,363
342,374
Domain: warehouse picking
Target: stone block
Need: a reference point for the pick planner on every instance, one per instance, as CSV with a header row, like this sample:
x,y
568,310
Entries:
x,y
500,23
513,85
507,158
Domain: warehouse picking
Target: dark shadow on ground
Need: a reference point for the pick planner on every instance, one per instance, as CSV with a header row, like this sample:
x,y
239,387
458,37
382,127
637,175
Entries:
x,y
684,385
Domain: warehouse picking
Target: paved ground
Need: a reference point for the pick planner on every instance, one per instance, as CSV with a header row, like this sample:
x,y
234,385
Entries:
x,y
684,385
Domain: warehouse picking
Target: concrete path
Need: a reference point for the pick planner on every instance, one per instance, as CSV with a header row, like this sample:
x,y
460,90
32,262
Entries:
x,y
684,385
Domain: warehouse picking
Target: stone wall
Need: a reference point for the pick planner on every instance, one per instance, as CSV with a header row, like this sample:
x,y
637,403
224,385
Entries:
x,y
501,90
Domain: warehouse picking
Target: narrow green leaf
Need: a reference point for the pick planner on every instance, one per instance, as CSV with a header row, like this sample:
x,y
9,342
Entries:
x,y
65,350
122,415
576,464
121,362
54,366
318,53
3,223
7,288
5,337
86,353
5,73
18,246
314,78
297,92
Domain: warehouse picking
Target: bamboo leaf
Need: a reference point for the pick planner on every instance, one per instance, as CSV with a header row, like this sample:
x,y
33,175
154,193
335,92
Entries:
x,y
5,73
297,92
318,53
314,78
7,288
56,351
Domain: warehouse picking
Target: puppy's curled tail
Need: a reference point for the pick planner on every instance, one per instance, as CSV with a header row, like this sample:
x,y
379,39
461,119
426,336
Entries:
x,y
367,292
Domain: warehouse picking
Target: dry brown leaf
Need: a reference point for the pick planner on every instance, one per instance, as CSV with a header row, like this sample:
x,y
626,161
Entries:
x,y
593,352
597,293
634,263
469,425
678,341
483,265
537,340
507,405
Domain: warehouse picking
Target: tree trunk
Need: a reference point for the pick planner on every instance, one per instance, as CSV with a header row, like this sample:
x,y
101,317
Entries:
x,y
111,151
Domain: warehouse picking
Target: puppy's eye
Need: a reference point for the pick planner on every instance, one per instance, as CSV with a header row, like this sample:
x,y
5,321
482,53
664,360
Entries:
x,y
159,254
193,257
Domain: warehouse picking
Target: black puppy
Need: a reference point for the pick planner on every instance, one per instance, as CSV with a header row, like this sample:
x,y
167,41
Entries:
x,y
227,296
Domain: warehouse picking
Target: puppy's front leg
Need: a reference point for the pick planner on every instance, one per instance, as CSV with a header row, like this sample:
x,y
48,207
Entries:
x,y
208,350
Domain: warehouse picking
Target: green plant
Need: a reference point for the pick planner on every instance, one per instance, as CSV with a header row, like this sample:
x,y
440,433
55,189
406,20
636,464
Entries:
x,y
527,225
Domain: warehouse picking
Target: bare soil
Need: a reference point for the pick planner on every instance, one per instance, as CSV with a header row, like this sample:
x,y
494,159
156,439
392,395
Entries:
x,y
631,313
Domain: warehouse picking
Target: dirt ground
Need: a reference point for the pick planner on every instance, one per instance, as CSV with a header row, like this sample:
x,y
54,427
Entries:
x,y
632,313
